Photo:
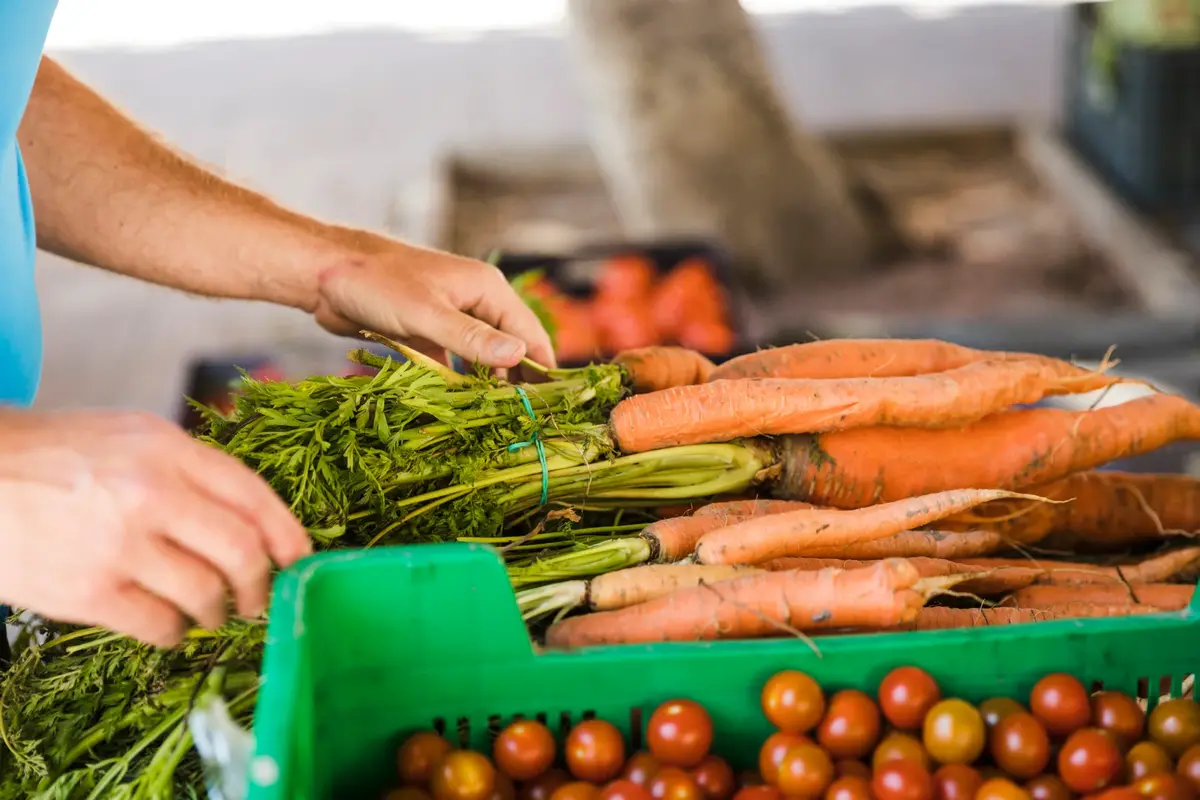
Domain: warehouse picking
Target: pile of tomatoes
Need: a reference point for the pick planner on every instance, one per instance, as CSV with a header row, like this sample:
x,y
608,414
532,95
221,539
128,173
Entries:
x,y
634,306
906,743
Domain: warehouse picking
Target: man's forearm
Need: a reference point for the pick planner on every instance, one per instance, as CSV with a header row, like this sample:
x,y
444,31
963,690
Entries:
x,y
108,193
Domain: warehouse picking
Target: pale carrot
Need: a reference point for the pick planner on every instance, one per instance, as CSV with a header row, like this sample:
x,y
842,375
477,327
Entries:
x,y
721,411
932,544
797,532
855,358
1107,511
1027,447
976,580
1167,596
750,508
762,604
1155,569
937,618
650,369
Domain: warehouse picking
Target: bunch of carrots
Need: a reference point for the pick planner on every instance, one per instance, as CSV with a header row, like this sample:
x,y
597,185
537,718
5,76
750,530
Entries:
x,y
912,489
633,306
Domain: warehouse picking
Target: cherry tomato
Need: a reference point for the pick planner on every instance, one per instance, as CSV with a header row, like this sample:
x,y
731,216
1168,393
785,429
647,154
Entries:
x,y
902,780
1165,786
906,694
714,776
595,751
623,790
679,733
851,725
641,768
1061,703
672,783
418,755
1089,761
898,745
1001,789
849,787
770,756
850,767
1188,766
954,732
805,772
1020,745
1145,759
407,793
576,790
997,708
1120,715
504,788
758,793
1116,793
543,786
1175,724
956,782
524,750
1048,787
463,775
793,702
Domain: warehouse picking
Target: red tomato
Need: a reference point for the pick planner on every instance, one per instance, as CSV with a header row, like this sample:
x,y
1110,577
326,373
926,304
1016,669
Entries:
x,y
419,754
544,785
624,790
956,782
793,702
1120,715
1165,787
1089,761
905,696
1061,703
771,754
804,773
672,783
902,780
504,788
641,768
463,775
524,750
595,751
679,733
1048,787
851,725
1020,745
715,778
577,790
1001,789
849,787
758,793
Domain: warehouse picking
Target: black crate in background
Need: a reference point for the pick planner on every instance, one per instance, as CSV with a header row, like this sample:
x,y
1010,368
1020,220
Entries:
x,y
1146,143
575,273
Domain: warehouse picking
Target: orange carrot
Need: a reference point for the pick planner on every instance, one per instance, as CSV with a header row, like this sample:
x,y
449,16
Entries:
x,y
1167,596
988,581
795,532
857,468
750,508
929,619
855,358
761,604
1155,569
674,538
724,410
932,544
1107,511
650,369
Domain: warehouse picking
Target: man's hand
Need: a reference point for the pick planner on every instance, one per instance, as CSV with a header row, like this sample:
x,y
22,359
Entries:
x,y
123,520
422,296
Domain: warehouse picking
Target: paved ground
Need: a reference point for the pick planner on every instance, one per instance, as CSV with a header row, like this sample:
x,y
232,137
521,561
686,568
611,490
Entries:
x,y
352,126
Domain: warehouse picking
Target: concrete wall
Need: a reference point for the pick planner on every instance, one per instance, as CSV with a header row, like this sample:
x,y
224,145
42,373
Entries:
x,y
351,126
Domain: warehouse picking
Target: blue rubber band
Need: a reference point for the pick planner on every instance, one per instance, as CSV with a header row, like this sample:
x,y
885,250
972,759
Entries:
x,y
536,441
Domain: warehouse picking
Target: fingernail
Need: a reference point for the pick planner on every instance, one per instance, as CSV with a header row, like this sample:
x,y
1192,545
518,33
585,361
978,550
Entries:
x,y
506,350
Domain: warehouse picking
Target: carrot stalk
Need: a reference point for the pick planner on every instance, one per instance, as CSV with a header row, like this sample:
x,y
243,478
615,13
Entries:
x,y
649,369
721,411
1167,596
1019,448
975,580
757,605
1155,569
620,589
795,532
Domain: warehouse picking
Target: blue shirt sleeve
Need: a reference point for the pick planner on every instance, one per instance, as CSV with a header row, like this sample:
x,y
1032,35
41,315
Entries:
x,y
23,28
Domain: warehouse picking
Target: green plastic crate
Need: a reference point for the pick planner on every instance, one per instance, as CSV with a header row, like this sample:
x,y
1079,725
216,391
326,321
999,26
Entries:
x,y
366,647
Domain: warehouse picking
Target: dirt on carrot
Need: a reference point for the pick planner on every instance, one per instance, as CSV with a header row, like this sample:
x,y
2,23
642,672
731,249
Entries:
x,y
976,580
930,544
1026,447
1167,596
1108,511
795,533
757,605
721,411
1157,568
938,618
650,369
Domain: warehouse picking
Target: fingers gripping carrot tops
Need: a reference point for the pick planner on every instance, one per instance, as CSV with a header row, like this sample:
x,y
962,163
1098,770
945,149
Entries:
x,y
792,533
757,605
724,410
650,369
1027,447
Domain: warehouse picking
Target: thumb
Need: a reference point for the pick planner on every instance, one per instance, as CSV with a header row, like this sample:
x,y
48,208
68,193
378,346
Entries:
x,y
475,340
